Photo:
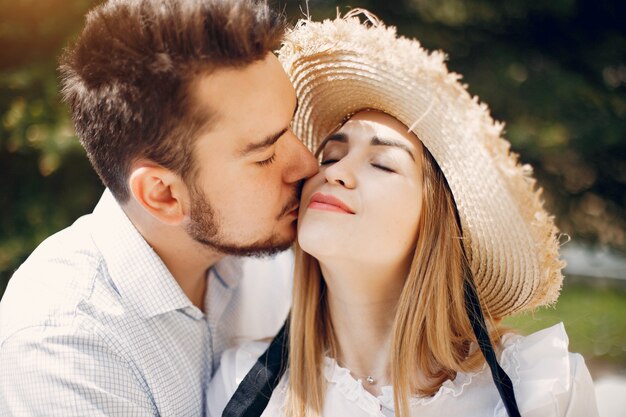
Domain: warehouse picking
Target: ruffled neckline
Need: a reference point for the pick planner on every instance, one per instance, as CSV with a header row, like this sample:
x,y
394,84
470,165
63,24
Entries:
x,y
351,388
515,359
354,391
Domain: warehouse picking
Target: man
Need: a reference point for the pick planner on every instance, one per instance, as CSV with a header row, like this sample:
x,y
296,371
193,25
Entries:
x,y
184,112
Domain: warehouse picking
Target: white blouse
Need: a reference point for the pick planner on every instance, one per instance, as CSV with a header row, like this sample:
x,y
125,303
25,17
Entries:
x,y
548,382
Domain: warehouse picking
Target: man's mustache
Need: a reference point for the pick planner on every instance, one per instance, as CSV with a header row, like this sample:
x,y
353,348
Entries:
x,y
294,202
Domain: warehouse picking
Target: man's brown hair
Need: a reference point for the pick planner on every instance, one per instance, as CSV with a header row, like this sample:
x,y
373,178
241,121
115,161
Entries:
x,y
127,79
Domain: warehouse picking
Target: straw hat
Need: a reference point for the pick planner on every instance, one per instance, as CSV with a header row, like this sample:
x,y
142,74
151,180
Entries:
x,y
342,66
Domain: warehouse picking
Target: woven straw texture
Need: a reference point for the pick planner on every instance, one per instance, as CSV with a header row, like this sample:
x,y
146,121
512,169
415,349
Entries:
x,y
342,66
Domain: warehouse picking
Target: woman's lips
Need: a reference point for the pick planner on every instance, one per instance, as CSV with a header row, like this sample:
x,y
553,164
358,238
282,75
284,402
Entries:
x,y
327,202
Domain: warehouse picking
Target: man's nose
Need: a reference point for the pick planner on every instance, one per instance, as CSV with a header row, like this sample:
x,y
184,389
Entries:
x,y
302,163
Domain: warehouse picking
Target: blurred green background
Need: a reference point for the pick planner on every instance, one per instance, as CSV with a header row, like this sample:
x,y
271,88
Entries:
x,y
554,71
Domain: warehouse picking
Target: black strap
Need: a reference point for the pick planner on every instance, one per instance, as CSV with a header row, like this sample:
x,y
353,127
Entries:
x,y
255,390
500,378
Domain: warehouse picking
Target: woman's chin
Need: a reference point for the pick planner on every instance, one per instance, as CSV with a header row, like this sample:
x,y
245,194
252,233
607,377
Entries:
x,y
318,241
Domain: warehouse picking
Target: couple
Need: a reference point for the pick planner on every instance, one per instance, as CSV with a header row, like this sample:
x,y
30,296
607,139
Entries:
x,y
417,212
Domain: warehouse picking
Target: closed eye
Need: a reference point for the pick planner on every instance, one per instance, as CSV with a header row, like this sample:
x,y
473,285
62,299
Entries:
x,y
328,161
267,161
383,168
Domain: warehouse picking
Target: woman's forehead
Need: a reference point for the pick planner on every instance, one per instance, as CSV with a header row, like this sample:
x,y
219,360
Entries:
x,y
375,128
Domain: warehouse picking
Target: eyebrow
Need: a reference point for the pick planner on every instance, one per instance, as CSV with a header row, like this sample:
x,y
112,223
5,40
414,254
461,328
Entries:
x,y
376,141
268,141
335,137
264,144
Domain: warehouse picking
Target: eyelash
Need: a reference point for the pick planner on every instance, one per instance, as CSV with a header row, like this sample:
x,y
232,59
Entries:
x,y
267,162
383,168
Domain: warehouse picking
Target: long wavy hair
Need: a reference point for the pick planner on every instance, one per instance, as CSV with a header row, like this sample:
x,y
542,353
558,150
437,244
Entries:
x,y
431,334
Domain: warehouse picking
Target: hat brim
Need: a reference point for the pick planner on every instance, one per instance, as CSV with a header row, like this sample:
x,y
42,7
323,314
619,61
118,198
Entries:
x,y
340,67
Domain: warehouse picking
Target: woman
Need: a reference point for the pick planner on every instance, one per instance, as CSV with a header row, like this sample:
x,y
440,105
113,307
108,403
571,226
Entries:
x,y
418,212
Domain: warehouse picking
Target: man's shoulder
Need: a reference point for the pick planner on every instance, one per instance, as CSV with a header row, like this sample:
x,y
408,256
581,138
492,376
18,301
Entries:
x,y
48,287
69,249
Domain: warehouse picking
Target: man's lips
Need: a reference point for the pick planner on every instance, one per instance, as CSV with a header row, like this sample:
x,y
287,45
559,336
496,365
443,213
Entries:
x,y
330,203
292,211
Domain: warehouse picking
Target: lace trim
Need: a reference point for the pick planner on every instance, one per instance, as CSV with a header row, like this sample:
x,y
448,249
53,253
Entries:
x,y
351,388
354,391
552,342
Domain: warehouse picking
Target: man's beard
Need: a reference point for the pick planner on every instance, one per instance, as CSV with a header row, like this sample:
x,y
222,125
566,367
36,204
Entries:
x,y
204,228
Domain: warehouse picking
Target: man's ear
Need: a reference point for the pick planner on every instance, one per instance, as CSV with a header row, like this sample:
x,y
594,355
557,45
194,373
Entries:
x,y
161,192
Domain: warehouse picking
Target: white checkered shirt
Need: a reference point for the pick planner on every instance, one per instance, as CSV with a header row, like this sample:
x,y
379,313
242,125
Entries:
x,y
93,324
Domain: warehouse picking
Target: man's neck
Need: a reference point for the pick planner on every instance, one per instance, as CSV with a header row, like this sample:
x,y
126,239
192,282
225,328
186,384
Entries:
x,y
188,266
187,260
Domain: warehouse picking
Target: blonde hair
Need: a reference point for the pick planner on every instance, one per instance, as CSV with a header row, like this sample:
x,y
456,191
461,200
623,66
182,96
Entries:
x,y
431,332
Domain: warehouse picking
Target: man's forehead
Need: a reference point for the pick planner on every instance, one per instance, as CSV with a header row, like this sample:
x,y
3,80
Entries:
x,y
251,105
247,133
253,85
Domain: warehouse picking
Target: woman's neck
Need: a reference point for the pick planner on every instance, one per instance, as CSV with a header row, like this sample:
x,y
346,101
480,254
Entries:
x,y
362,302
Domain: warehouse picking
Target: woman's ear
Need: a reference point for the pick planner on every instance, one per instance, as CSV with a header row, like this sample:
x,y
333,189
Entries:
x,y
161,192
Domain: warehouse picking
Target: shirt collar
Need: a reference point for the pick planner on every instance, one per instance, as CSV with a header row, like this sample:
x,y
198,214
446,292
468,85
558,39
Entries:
x,y
228,271
136,270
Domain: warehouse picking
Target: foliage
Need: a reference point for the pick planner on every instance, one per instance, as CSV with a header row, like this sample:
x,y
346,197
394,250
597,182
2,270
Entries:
x,y
554,71
47,179
593,318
